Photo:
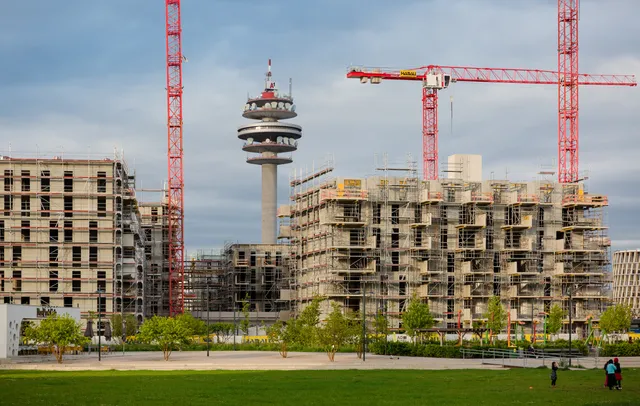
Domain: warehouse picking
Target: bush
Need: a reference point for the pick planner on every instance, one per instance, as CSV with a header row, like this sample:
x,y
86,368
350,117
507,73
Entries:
x,y
579,345
419,350
621,350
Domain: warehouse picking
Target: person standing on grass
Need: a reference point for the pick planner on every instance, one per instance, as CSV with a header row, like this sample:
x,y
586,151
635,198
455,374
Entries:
x,y
618,374
554,374
606,374
611,375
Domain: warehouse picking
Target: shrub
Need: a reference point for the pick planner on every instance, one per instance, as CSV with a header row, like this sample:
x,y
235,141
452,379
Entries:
x,y
621,350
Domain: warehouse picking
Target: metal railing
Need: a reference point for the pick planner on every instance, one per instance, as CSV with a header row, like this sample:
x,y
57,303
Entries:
x,y
528,358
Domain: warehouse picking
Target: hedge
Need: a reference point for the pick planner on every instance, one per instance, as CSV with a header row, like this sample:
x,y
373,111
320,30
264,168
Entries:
x,y
621,350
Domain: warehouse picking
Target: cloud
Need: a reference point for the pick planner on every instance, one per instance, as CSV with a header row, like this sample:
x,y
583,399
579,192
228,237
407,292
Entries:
x,y
96,86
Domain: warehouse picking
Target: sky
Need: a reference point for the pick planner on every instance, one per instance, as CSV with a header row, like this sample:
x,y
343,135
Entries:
x,y
87,77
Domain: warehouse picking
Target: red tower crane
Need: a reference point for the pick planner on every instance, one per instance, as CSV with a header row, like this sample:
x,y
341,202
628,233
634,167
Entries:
x,y
568,90
435,78
175,204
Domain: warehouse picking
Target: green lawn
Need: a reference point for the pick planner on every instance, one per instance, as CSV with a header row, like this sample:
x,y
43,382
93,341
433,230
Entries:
x,y
381,387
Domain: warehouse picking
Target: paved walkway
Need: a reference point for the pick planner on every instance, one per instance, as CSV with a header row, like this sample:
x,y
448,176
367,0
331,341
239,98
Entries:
x,y
262,360
238,360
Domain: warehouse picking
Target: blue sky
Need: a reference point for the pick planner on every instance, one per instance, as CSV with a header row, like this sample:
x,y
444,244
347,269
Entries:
x,y
87,76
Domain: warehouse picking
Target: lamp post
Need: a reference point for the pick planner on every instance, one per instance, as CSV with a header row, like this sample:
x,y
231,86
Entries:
x,y
234,325
364,322
207,307
99,292
570,321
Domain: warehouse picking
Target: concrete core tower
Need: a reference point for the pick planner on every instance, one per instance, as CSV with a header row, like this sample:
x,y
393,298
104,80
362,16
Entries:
x,y
267,138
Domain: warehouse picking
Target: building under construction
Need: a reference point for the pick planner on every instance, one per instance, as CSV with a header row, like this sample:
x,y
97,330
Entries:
x,y
70,229
454,242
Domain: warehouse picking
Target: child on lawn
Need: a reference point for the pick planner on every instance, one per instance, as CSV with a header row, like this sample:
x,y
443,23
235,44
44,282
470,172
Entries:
x,y
554,374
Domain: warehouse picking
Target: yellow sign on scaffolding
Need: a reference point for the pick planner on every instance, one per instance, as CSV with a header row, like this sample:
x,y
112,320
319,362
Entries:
x,y
352,183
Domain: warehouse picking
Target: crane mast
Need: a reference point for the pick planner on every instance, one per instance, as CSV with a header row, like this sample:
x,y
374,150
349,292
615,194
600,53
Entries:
x,y
175,196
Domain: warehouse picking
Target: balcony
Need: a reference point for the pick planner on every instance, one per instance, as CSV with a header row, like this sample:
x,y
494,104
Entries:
x,y
430,197
426,243
520,244
469,197
474,221
346,195
521,223
473,244
284,211
284,231
585,200
424,221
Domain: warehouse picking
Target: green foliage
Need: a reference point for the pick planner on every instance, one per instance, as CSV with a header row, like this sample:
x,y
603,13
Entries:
x,y
222,331
244,323
198,327
283,335
496,316
57,332
417,317
621,349
616,319
336,331
555,318
130,325
167,332
307,324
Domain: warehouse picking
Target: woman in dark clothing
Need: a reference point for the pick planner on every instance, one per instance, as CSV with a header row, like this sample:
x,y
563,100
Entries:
x,y
554,374
618,374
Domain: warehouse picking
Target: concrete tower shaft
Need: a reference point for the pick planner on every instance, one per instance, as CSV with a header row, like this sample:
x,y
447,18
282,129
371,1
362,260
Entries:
x,y
264,140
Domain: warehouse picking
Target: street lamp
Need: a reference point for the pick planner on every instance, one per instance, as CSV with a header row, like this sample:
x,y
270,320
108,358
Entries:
x,y
99,292
208,336
570,291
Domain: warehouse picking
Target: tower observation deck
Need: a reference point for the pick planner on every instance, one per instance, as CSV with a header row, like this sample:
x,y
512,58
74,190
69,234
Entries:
x,y
265,140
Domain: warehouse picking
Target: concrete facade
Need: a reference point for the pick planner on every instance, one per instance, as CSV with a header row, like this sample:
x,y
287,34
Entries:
x,y
626,279
453,242
11,317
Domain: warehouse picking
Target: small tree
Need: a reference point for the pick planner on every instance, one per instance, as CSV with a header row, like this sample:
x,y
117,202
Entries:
x,y
57,332
222,331
130,325
496,316
335,332
381,326
282,334
555,318
354,324
307,323
244,323
416,317
167,332
616,318
196,326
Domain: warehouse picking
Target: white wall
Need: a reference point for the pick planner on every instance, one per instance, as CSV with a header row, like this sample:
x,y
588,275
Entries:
x,y
11,317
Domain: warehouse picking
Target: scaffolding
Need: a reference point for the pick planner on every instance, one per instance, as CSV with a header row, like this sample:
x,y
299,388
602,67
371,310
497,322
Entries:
x,y
64,236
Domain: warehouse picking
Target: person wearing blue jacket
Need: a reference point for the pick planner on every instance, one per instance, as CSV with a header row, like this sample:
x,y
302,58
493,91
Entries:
x,y
611,375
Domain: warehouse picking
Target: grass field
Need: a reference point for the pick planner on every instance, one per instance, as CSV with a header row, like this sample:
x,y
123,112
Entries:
x,y
404,387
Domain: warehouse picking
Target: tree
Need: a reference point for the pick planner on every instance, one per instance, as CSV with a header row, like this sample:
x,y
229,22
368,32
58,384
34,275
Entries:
x,y
335,332
416,317
354,325
555,319
130,325
57,332
307,323
282,334
222,331
167,332
244,323
496,316
198,327
381,327
616,318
